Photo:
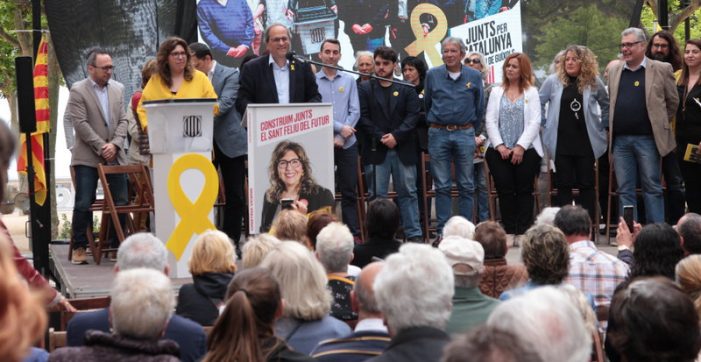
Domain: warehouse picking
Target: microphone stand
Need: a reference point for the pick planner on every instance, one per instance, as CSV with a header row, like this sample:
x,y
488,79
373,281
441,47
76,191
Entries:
x,y
292,56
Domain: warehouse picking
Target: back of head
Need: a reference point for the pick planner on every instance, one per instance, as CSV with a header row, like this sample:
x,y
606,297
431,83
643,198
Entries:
x,y
653,320
363,287
142,302
318,221
253,300
256,248
7,149
546,319
573,220
415,288
142,250
212,253
545,254
290,225
547,216
382,219
493,239
657,251
302,280
489,344
200,50
466,258
22,316
334,247
688,275
459,226
689,228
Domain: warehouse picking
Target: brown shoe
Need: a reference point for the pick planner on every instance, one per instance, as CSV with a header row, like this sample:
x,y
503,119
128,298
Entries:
x,y
78,256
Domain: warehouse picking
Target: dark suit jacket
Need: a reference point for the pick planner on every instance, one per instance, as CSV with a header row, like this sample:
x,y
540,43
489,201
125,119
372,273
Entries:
x,y
188,334
378,117
420,344
363,253
228,133
258,84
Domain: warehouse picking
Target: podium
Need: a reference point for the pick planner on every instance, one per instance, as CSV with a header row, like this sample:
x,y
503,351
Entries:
x,y
180,134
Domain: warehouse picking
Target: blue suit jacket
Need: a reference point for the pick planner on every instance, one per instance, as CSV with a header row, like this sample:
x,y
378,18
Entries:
x,y
228,133
188,334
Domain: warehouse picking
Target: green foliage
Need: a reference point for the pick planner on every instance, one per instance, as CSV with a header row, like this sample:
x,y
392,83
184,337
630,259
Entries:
x,y
64,232
585,25
649,22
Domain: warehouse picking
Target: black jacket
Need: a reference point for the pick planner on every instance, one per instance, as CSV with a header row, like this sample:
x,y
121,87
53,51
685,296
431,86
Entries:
x,y
420,344
374,247
105,347
378,116
198,301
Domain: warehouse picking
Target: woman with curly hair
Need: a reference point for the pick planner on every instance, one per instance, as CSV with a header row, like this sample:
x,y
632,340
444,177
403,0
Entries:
x,y
574,135
292,185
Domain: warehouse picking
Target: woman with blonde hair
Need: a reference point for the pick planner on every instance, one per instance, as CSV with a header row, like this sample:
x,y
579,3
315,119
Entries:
x,y
688,276
306,320
574,135
212,266
256,248
22,317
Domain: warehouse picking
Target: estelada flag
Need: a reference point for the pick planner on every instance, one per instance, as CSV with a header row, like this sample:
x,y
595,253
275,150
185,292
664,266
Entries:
x,y
43,113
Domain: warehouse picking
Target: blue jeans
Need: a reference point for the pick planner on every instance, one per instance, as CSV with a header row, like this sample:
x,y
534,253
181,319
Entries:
x,y
481,189
459,147
404,179
633,156
85,187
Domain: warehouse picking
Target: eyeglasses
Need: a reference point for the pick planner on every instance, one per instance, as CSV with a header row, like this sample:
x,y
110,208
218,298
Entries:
x,y
283,39
106,68
295,163
472,61
178,54
629,45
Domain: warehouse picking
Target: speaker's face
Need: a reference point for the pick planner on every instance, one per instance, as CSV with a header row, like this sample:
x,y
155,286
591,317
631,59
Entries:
x,y
101,71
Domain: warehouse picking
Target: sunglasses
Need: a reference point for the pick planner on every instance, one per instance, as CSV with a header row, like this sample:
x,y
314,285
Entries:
x,y
472,61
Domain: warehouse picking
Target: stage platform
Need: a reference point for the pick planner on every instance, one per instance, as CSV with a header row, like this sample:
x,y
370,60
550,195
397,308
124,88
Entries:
x,y
86,281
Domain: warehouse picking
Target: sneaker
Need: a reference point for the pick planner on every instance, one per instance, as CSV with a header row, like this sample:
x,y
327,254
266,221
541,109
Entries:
x,y
78,256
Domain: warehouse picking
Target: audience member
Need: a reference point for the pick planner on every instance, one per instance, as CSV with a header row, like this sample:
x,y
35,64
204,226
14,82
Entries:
x,y
688,276
591,270
370,336
414,292
471,308
489,344
546,257
244,332
671,333
547,321
141,304
316,222
547,216
141,250
689,229
498,275
459,226
306,320
256,248
212,266
290,225
334,249
657,252
21,315
382,222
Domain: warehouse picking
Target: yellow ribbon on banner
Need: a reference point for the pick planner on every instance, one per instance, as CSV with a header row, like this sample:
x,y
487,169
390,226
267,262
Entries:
x,y
426,43
193,216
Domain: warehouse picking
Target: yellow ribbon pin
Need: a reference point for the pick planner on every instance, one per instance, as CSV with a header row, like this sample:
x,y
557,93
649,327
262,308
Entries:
x,y
193,216
426,43
468,85
395,93
341,89
636,83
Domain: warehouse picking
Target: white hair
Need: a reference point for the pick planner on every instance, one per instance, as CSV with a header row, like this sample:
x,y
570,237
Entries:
x,y
256,248
415,288
547,216
546,318
334,247
639,33
142,250
142,303
459,226
302,280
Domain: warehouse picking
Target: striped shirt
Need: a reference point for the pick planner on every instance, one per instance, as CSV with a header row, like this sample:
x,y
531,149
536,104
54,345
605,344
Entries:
x,y
595,272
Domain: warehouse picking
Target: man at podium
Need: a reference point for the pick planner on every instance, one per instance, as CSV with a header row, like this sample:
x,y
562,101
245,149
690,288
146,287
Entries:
x,y
274,78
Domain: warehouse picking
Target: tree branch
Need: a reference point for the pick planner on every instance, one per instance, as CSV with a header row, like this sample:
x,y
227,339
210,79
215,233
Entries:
x,y
684,14
9,38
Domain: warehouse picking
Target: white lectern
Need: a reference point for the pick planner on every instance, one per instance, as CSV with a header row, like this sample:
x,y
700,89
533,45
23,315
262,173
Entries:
x,y
180,135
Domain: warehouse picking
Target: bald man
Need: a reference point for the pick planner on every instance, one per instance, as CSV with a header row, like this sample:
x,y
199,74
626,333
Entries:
x,y
370,336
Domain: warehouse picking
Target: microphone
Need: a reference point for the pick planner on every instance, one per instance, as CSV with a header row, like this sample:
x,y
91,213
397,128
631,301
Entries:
x,y
292,56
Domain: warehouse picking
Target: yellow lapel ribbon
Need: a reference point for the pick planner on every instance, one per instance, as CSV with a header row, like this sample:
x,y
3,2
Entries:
x,y
193,216
427,43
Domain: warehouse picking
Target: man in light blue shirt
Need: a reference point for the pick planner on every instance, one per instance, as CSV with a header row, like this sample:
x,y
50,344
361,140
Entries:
x,y
340,89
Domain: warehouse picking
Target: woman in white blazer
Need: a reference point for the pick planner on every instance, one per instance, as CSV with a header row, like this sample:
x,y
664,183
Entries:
x,y
513,126
573,133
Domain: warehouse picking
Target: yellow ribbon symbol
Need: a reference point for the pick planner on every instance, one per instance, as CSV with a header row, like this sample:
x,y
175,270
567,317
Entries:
x,y
193,216
426,43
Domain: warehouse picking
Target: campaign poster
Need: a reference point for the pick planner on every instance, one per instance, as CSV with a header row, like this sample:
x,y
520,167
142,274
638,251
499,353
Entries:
x,y
305,130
